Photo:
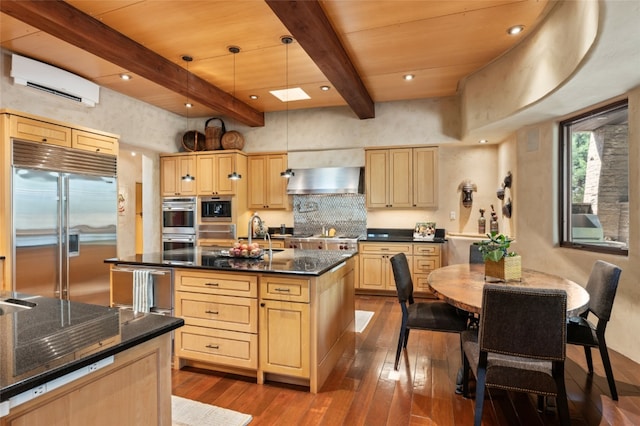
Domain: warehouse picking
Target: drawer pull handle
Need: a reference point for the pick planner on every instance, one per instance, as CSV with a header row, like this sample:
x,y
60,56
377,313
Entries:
x,y
211,312
212,284
212,347
283,289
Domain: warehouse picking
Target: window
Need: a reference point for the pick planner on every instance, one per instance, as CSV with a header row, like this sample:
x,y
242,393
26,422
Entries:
x,y
595,185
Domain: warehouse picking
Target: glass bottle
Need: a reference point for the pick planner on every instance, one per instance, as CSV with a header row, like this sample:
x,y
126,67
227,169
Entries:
x,y
482,223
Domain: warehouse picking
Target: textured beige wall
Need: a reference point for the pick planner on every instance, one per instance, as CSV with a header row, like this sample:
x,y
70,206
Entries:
x,y
538,228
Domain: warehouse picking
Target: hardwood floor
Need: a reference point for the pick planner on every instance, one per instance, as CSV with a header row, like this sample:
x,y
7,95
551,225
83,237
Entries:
x,y
365,390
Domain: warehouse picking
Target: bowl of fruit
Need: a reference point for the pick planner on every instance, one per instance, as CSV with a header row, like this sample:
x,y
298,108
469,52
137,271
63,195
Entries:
x,y
245,250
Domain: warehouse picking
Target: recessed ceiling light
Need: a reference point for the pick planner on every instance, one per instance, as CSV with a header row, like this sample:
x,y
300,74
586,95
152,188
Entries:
x,y
125,76
133,153
288,95
189,105
325,88
409,77
483,141
516,29
254,97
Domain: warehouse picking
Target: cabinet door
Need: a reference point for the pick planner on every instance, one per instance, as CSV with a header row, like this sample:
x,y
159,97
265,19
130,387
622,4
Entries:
x,y
425,177
276,184
257,188
400,178
373,271
267,189
39,131
284,338
225,165
172,171
377,178
94,142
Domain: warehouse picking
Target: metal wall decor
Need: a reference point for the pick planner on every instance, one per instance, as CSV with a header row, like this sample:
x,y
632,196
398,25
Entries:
x,y
467,187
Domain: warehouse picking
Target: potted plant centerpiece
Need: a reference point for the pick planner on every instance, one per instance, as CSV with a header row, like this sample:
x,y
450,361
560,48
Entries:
x,y
499,261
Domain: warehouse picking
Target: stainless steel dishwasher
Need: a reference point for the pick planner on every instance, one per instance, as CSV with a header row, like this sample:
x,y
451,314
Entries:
x,y
122,288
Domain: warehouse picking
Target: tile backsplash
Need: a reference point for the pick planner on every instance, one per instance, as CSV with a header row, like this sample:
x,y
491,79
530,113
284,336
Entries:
x,y
344,212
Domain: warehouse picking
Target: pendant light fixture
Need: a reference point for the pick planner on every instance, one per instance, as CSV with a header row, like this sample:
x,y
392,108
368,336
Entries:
x,y
188,105
287,40
234,50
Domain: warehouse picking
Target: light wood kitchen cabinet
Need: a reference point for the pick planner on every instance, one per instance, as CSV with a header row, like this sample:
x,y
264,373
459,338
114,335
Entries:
x,y
213,171
39,131
375,265
267,189
285,326
401,177
135,389
426,258
172,169
221,318
94,142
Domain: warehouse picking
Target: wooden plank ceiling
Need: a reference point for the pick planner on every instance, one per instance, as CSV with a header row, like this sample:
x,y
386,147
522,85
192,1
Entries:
x,y
361,49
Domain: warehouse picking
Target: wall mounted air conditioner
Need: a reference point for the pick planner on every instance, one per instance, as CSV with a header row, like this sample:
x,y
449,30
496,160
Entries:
x,y
39,75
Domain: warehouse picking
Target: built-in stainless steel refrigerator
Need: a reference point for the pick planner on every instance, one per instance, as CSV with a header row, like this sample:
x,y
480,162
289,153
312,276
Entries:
x,y
64,221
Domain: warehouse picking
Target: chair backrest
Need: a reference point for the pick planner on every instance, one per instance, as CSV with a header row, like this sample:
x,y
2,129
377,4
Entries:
x,y
402,277
602,286
474,254
526,322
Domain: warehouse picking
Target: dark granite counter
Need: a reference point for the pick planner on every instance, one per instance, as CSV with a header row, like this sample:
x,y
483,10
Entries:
x,y
283,261
394,235
47,339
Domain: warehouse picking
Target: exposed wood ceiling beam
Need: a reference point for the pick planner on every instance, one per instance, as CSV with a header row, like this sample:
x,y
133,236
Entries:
x,y
79,29
310,26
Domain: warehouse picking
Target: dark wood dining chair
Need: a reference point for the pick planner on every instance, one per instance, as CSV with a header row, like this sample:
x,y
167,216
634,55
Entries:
x,y
520,345
601,286
434,315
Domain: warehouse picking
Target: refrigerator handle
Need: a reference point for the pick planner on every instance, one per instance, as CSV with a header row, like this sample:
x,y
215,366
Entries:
x,y
73,245
62,285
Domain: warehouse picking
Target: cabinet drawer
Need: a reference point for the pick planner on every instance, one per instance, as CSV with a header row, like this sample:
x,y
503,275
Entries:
x,y
39,131
421,284
225,312
426,249
386,248
425,264
217,346
280,288
94,142
217,283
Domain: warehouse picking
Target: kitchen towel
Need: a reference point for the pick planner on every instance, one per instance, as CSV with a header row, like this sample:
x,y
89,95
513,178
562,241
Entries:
x,y
142,290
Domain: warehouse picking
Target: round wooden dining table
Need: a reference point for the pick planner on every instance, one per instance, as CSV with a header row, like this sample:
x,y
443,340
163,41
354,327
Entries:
x,y
461,285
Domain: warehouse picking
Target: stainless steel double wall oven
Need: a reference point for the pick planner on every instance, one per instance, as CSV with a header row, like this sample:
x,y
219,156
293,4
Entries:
x,y
179,221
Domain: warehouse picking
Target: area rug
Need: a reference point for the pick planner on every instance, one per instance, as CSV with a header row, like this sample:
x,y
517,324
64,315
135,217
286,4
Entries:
x,y
362,320
186,412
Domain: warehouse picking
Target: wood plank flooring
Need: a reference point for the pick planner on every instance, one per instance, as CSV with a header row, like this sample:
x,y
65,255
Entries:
x,y
365,390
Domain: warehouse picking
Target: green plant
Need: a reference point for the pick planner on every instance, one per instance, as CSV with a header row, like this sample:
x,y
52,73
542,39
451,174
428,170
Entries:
x,y
496,247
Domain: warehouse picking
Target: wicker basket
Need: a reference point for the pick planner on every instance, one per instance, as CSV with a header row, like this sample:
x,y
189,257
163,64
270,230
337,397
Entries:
x,y
232,140
213,134
506,269
193,141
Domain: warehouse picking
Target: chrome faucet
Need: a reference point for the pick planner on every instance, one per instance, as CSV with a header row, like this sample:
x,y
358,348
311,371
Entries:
x,y
260,226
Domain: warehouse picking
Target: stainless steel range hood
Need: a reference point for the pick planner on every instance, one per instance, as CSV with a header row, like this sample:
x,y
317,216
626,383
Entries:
x,y
327,180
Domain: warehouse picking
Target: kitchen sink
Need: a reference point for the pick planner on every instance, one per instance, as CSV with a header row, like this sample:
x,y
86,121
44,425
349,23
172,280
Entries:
x,y
9,306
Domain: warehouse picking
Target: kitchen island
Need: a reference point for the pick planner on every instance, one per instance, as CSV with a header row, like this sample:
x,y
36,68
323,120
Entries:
x,y
72,363
288,317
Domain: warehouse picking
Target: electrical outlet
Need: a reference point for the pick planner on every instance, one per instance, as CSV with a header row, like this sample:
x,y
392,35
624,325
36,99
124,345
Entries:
x,y
39,390
452,215
93,367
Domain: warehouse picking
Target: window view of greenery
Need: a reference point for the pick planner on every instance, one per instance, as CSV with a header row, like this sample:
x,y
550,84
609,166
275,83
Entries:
x,y
595,165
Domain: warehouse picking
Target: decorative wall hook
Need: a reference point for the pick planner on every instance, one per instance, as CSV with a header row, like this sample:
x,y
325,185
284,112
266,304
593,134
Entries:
x,y
467,188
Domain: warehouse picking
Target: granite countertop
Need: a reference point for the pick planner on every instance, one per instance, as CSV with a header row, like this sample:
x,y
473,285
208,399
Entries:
x,y
42,343
394,235
284,261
